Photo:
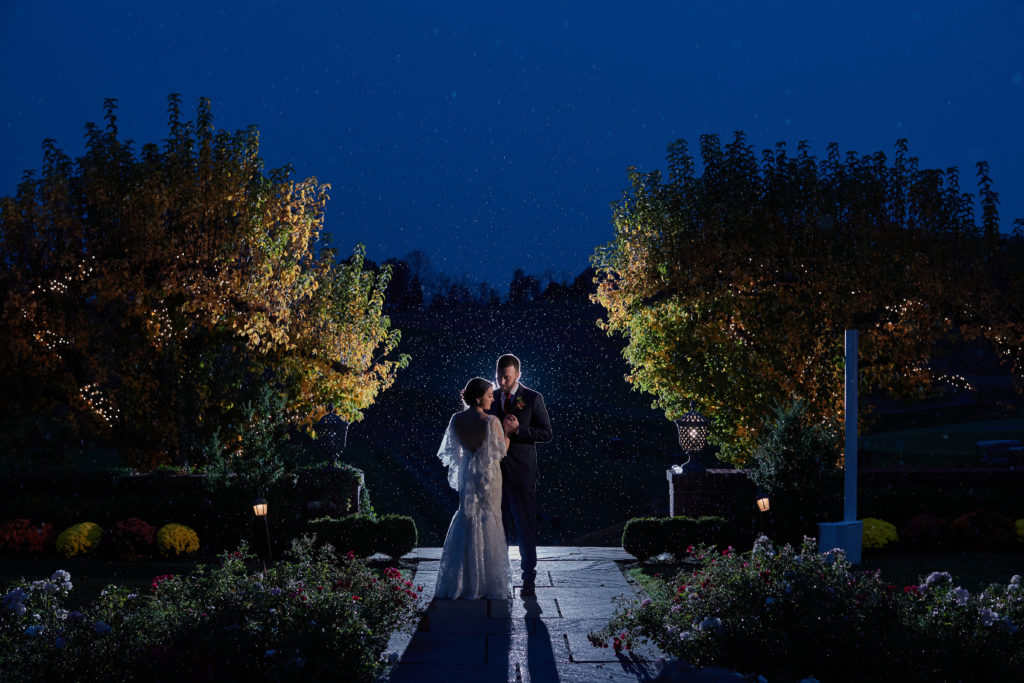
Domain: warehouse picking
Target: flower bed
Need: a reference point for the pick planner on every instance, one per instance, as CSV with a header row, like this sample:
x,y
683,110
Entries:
x,y
308,617
790,613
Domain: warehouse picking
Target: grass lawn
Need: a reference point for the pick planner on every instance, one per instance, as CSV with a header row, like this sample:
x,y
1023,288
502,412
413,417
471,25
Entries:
x,y
941,446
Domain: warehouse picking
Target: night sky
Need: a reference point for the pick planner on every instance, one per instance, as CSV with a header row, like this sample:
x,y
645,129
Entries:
x,y
495,135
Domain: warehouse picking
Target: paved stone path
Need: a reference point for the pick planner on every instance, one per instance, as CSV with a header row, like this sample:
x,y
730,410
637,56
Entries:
x,y
539,640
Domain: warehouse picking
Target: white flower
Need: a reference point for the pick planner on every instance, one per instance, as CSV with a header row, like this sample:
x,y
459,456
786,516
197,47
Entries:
x,y
14,600
762,546
62,579
710,623
960,595
685,635
938,578
988,617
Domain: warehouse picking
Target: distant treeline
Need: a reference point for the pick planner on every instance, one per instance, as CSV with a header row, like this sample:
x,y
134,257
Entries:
x,y
415,285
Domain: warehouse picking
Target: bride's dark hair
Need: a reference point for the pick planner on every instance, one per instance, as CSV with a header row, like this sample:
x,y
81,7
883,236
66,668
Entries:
x,y
475,388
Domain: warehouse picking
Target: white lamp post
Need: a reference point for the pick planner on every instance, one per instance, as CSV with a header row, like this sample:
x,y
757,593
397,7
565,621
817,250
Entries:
x,y
848,534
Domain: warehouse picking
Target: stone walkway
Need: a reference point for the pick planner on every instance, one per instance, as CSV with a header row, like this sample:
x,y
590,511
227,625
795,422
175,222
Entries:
x,y
539,640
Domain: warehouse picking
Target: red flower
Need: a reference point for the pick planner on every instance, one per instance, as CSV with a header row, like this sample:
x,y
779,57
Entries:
x,y
157,580
18,536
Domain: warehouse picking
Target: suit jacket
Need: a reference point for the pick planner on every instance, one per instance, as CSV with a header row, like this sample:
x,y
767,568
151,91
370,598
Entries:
x,y
520,465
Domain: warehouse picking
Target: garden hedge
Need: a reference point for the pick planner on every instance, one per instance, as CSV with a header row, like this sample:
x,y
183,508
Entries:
x,y
646,537
364,535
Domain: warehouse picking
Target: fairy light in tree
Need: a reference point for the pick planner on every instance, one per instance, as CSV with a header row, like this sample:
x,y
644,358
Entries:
x,y
99,403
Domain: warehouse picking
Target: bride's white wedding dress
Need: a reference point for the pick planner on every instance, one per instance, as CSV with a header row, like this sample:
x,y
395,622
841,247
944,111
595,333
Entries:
x,y
474,562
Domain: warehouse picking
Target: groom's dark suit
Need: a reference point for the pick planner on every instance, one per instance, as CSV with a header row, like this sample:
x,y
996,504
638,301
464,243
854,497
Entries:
x,y
519,469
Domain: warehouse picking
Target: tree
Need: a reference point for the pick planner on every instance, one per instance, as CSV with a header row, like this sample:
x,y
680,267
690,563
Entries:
x,y
523,288
732,288
405,293
147,296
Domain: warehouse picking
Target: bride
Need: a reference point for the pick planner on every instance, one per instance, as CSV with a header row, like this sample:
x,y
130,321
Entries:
x,y
474,562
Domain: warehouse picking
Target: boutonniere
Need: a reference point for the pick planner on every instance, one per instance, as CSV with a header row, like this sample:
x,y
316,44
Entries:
x,y
519,404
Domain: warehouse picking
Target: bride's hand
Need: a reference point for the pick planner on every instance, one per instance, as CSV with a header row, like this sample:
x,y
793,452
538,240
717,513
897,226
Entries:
x,y
511,424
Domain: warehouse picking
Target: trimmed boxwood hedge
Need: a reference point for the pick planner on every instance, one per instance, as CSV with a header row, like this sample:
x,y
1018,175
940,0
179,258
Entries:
x,y
646,537
364,535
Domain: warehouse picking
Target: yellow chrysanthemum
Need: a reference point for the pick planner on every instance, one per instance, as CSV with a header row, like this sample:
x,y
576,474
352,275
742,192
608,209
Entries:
x,y
878,533
79,539
177,539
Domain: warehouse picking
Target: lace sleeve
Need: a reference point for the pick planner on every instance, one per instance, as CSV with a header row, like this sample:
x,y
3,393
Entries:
x,y
451,454
496,437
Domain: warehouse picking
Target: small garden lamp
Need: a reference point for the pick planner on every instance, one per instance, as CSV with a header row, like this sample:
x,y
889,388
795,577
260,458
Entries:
x,y
763,504
259,508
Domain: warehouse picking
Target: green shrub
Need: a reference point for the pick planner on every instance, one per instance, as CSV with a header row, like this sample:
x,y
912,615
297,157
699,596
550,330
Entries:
x,y
642,537
396,535
356,533
681,533
80,539
796,464
312,616
787,614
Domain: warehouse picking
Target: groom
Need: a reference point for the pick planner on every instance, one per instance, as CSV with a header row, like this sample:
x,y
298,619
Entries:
x,y
524,416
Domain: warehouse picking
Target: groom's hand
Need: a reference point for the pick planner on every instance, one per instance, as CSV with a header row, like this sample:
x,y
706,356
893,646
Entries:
x,y
511,424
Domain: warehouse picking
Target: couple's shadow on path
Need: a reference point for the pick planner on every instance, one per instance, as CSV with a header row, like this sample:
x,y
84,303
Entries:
x,y
539,656
479,640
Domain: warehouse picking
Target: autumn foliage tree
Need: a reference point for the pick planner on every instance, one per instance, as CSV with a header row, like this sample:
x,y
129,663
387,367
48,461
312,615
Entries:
x,y
146,295
733,287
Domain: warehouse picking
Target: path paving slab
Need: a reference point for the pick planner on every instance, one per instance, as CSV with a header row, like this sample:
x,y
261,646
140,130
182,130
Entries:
x,y
541,639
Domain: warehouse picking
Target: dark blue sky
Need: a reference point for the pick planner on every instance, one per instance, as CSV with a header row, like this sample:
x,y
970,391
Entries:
x,y
495,135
